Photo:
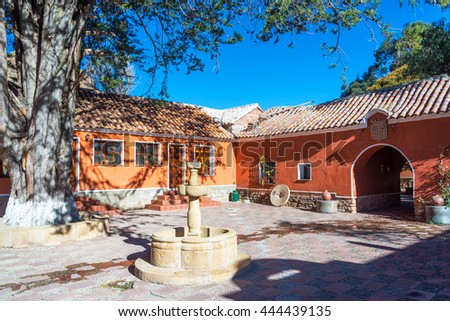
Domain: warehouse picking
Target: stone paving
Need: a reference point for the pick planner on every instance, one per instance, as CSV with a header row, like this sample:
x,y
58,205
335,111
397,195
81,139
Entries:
x,y
296,255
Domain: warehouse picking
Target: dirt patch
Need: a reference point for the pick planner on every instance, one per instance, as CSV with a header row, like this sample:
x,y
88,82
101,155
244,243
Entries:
x,y
72,273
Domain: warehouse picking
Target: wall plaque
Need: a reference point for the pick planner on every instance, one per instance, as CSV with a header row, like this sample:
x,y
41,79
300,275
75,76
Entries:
x,y
378,128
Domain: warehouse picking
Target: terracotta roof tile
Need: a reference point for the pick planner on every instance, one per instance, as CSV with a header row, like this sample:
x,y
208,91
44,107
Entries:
x,y
417,98
97,110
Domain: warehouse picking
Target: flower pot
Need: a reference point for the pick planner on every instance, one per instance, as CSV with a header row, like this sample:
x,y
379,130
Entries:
x,y
438,200
437,214
326,196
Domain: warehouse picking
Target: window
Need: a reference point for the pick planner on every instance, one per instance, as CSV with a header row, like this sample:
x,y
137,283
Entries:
x,y
205,155
304,172
108,152
267,172
147,154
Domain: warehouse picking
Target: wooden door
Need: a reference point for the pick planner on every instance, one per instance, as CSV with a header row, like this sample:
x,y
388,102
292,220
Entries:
x,y
177,157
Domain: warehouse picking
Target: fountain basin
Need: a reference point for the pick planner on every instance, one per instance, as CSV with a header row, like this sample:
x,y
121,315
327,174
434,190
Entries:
x,y
194,191
177,258
175,249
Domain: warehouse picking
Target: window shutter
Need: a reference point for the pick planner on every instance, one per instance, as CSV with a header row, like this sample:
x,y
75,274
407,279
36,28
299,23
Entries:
x,y
158,147
211,161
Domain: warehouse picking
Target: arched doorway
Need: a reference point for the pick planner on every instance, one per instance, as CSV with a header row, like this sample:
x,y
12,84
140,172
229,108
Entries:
x,y
383,177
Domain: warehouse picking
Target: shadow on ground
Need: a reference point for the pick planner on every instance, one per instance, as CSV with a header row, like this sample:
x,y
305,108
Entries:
x,y
418,272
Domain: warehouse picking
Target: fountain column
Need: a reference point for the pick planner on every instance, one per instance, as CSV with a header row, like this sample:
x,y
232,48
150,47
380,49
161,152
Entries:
x,y
192,254
194,191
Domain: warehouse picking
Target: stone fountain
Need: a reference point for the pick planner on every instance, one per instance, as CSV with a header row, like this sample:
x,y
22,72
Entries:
x,y
192,254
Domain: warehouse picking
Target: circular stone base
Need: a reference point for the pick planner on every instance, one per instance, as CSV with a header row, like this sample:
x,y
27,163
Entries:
x,y
147,272
328,207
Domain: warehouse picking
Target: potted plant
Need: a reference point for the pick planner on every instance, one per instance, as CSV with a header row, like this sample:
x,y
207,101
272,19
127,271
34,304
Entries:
x,y
439,212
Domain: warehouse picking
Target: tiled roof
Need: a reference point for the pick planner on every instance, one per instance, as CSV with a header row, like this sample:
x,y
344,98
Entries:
x,y
418,98
98,110
230,115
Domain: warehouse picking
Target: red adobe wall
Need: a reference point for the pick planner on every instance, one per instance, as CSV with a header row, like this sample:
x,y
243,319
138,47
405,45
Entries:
x,y
333,155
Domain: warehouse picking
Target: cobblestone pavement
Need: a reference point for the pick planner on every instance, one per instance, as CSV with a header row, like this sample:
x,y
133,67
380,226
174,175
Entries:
x,y
296,255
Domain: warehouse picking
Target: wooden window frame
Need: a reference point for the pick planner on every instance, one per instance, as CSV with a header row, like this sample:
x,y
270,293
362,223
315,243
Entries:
x,y
212,160
146,163
272,178
309,165
96,140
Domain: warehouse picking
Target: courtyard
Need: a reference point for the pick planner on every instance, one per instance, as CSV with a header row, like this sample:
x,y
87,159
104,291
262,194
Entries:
x,y
296,255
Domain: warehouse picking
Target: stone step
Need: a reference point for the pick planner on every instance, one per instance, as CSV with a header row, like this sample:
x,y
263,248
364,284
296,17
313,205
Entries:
x,y
176,202
79,204
156,207
97,208
81,198
113,212
164,197
161,202
205,199
171,192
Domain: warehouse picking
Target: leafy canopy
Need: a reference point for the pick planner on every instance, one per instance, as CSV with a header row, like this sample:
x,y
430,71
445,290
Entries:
x,y
421,50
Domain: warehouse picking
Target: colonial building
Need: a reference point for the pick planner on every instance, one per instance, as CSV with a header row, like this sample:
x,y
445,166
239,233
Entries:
x,y
353,147
128,150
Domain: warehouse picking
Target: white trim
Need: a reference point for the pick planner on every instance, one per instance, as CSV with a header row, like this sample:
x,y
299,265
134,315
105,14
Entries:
x,y
214,163
183,181
352,175
297,191
159,161
136,133
122,189
373,111
310,172
418,118
77,164
1,195
108,140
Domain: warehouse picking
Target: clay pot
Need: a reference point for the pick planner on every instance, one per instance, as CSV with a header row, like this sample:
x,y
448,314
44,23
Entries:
x,y
438,200
326,195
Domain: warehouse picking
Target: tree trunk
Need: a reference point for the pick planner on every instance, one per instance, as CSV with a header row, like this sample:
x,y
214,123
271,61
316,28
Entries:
x,y
38,120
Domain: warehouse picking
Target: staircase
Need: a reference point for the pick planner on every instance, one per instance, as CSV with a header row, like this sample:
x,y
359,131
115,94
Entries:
x,y
172,200
87,207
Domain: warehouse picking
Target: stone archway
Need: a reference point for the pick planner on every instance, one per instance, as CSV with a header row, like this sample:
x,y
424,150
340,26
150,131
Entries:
x,y
376,179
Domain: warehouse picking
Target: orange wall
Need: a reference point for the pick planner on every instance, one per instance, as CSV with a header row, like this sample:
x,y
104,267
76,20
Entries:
x,y
129,176
333,154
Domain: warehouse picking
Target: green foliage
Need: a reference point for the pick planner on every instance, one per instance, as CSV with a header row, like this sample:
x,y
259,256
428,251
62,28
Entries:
x,y
174,34
400,75
444,177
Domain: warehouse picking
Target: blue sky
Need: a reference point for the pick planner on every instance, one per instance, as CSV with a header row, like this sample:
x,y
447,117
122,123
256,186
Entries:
x,y
275,75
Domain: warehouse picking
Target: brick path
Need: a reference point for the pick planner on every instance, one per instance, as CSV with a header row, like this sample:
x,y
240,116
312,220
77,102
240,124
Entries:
x,y
296,255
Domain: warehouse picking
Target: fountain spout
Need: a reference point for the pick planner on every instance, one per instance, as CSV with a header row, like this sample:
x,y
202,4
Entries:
x,y
194,191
